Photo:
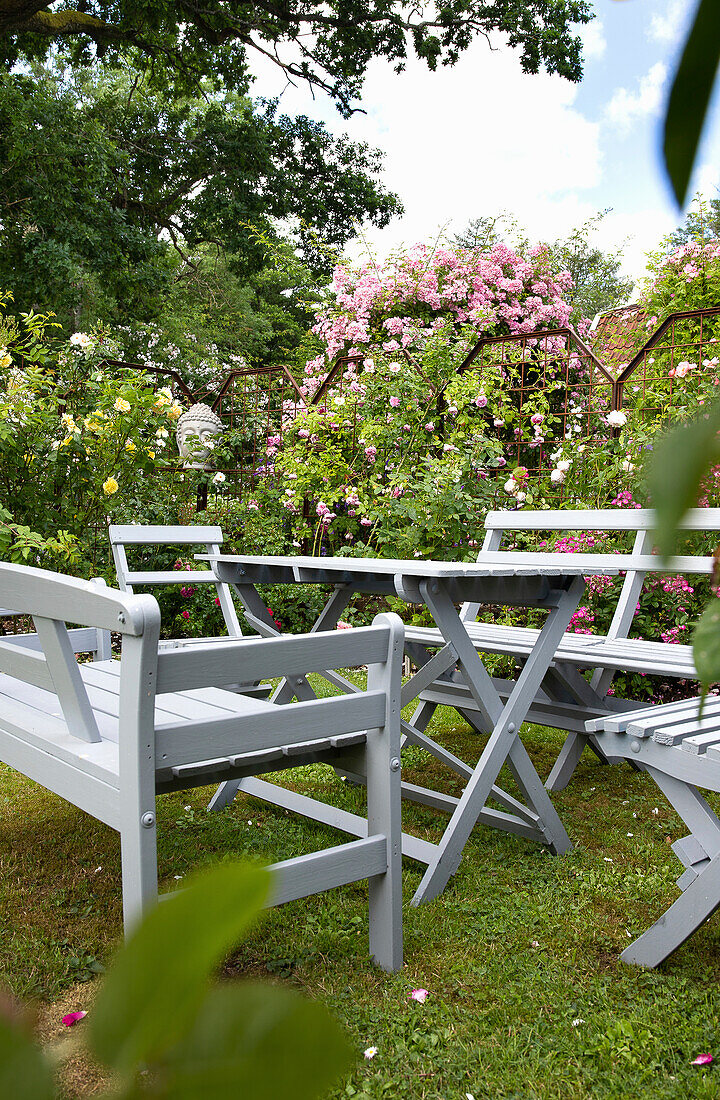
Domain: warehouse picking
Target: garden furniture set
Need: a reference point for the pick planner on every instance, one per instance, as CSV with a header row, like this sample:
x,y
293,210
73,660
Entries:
x,y
110,735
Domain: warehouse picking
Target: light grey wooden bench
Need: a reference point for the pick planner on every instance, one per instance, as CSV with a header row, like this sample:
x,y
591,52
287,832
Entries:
x,y
109,736
681,752
140,537
567,700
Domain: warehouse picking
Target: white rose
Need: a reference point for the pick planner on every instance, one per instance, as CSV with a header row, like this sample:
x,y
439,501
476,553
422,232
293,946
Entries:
x,y
616,419
564,465
557,476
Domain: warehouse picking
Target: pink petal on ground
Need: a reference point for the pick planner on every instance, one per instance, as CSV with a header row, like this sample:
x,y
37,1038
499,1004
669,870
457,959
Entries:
x,y
702,1060
72,1018
418,995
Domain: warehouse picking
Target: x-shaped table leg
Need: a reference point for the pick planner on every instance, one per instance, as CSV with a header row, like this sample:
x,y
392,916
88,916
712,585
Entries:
x,y
504,743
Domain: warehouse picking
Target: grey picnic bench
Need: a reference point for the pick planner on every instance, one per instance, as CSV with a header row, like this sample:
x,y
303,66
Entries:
x,y
110,735
567,700
681,751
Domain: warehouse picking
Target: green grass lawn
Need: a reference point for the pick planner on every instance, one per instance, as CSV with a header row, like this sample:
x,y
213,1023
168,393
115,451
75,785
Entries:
x,y
526,996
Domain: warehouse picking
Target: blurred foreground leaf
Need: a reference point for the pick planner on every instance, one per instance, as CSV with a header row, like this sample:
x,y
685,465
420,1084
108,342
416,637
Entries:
x,y
690,95
678,464
154,990
258,1042
24,1072
706,645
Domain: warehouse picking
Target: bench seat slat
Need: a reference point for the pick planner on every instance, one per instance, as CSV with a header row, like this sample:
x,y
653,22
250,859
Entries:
x,y
24,722
585,650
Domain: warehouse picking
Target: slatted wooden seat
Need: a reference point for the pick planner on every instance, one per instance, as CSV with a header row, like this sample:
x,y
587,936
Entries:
x,y
681,751
109,736
567,700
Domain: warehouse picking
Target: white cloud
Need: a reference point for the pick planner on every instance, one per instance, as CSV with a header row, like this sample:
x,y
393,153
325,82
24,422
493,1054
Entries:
x,y
706,180
593,40
667,26
626,107
636,233
470,140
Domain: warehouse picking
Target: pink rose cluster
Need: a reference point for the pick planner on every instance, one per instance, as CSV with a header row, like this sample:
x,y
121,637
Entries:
x,y
689,261
399,306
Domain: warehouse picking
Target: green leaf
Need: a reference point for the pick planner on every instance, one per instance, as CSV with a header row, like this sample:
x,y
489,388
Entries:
x,y
676,469
24,1072
260,1042
706,645
690,95
158,980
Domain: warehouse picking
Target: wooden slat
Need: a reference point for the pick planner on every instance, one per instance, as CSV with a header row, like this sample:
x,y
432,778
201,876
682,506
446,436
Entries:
x,y
279,725
149,534
642,720
171,576
317,871
25,665
255,659
605,519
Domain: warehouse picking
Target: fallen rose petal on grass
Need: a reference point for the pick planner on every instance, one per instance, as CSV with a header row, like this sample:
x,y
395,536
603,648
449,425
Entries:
x,y
702,1060
419,995
73,1017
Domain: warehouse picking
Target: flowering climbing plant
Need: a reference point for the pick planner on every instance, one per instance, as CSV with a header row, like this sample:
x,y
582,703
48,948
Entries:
x,y
79,443
401,450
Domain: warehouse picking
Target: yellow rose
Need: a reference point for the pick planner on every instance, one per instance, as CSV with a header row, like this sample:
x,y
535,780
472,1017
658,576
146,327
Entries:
x,y
151,454
110,486
130,446
121,405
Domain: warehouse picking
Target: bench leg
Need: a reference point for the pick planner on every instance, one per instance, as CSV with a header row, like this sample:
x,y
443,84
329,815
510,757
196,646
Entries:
x,y
677,924
384,810
138,844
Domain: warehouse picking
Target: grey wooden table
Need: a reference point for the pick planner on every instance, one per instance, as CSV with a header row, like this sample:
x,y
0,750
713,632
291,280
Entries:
x,y
554,582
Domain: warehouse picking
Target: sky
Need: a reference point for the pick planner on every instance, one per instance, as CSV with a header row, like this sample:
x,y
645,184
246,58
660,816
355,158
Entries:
x,y
482,137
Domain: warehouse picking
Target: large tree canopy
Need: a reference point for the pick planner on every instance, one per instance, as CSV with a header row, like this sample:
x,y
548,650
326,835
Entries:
x,y
102,177
328,43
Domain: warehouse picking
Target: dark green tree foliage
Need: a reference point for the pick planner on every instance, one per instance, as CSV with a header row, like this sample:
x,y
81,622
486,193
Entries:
x,y
101,179
64,235
328,44
597,282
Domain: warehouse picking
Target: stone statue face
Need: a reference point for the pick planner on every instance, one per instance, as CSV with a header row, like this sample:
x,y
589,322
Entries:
x,y
195,429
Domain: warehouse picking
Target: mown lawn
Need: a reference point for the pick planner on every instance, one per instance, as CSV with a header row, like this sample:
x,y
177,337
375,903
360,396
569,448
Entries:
x,y
527,998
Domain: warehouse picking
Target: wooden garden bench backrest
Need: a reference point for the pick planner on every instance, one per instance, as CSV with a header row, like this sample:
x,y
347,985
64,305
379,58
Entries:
x,y
642,560
196,536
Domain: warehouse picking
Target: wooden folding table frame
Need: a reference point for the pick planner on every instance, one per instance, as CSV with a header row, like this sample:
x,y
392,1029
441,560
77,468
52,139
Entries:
x,y
501,579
